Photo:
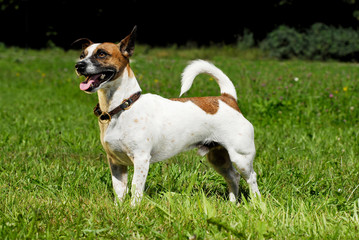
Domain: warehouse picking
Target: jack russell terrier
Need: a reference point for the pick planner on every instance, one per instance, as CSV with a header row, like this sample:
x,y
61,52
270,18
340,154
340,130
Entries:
x,y
137,130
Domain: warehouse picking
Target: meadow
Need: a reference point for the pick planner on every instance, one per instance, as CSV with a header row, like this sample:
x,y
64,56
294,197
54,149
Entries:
x,y
55,182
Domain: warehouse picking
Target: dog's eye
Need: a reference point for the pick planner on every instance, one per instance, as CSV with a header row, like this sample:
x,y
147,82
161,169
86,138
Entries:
x,y
101,54
82,56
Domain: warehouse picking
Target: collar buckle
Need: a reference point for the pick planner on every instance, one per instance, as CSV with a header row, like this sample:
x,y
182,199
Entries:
x,y
126,105
104,117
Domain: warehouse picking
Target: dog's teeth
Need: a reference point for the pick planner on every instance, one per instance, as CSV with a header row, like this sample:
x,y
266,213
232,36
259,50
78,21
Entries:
x,y
103,76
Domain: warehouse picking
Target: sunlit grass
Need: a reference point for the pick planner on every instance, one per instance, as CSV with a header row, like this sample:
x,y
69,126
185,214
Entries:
x,y
55,182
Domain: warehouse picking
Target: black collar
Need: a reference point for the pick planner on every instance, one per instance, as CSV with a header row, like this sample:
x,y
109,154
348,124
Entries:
x,y
126,104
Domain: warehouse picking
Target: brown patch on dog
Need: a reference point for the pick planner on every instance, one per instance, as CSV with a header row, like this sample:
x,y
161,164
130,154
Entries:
x,y
113,57
102,97
211,104
230,101
129,71
208,104
83,53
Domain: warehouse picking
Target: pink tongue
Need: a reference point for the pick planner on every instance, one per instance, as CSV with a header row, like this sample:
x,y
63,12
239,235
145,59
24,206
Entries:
x,y
84,86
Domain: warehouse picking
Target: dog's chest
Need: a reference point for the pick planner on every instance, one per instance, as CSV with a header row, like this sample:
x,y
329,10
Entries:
x,y
112,141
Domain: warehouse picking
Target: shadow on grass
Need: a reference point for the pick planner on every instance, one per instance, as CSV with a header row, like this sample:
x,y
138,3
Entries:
x,y
207,188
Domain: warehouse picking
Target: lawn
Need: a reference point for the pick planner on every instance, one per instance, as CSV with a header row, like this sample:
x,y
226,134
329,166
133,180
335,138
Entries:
x,y
55,182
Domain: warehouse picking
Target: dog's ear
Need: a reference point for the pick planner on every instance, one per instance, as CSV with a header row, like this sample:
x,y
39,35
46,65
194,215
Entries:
x,y
85,42
127,45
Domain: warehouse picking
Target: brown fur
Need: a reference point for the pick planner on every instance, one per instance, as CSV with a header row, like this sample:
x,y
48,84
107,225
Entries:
x,y
129,71
114,59
211,104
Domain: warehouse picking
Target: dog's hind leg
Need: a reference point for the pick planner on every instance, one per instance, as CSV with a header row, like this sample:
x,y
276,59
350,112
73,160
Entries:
x,y
119,179
220,161
244,164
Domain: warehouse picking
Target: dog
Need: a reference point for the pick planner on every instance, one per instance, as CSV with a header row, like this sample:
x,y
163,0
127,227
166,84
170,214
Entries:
x,y
137,130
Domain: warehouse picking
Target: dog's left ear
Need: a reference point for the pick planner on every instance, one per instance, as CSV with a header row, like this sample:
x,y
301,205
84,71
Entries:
x,y
85,42
127,45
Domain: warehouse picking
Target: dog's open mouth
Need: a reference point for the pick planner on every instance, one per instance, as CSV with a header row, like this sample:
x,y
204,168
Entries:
x,y
94,81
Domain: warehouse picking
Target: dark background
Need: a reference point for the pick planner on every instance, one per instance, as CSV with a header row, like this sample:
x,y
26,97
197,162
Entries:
x,y
39,24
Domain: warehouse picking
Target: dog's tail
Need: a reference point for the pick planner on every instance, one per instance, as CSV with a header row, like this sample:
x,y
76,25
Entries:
x,y
200,66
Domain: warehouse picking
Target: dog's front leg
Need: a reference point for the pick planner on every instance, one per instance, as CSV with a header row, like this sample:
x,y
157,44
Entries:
x,y
141,166
119,180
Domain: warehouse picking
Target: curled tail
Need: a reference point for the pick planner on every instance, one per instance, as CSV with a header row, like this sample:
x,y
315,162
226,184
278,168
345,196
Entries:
x,y
200,66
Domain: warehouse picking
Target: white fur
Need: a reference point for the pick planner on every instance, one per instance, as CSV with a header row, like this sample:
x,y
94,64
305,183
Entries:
x,y
156,128
200,66
90,67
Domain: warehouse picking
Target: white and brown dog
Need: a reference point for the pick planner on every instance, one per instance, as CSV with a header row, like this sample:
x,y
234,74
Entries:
x,y
137,130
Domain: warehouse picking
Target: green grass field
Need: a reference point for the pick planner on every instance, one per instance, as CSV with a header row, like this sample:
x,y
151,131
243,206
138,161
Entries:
x,y
55,182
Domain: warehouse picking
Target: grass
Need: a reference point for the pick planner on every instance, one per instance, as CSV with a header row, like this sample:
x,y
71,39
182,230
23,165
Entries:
x,y
55,182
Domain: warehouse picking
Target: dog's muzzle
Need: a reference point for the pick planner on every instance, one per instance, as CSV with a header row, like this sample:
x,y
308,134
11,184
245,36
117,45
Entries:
x,y
93,79
80,67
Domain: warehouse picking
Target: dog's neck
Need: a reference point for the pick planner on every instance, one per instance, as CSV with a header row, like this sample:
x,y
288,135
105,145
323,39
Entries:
x,y
118,90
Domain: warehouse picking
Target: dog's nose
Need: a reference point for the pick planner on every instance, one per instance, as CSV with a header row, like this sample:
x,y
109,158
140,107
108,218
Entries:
x,y
80,66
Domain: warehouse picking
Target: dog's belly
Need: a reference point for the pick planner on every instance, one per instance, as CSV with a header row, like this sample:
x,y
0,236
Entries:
x,y
169,146
161,153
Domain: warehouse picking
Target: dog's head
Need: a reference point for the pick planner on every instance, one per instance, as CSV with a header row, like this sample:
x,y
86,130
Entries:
x,y
102,63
